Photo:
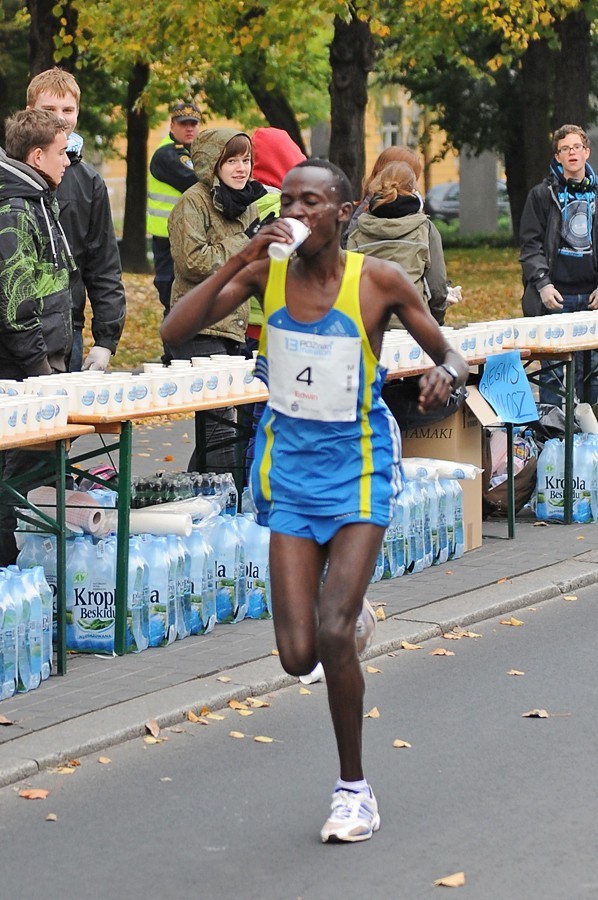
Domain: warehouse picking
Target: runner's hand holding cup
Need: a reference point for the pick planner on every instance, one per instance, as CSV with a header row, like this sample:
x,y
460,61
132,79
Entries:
x,y
279,250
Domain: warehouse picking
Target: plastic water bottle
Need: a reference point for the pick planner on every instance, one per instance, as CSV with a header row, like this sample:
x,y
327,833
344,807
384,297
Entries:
x,y
162,590
182,605
378,567
40,550
399,517
9,628
201,581
414,527
427,520
32,615
91,586
47,599
256,543
230,493
137,598
438,521
225,542
459,548
447,485
550,479
584,478
592,440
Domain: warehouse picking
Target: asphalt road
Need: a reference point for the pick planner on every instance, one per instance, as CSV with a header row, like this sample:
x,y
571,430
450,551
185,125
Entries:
x,y
509,800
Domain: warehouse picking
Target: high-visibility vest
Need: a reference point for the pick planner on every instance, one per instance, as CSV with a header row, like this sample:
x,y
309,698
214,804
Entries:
x,y
161,198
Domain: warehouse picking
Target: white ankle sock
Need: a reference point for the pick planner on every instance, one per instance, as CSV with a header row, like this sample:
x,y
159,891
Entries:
x,y
354,786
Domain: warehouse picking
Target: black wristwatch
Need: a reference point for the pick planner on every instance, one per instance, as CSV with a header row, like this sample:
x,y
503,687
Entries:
x,y
450,370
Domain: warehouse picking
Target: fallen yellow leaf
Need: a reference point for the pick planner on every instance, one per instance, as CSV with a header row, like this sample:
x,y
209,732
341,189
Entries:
x,y
224,679
512,621
502,580
580,537
215,716
245,712
373,670
400,744
449,572
373,713
536,714
236,704
275,652
150,739
569,596
191,717
5,721
255,703
74,762
380,615
62,770
34,794
236,734
262,739
456,880
51,817
440,651
152,726
304,690
104,760
540,525
515,672
405,645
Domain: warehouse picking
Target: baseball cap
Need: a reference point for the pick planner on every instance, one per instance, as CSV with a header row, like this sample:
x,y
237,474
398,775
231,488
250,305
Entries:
x,y
183,111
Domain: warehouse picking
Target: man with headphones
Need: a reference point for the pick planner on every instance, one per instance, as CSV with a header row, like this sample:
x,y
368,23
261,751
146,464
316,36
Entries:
x,y
559,247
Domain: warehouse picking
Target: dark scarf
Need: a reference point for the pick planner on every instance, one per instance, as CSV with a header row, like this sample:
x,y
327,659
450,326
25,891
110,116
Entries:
x,y
403,205
233,203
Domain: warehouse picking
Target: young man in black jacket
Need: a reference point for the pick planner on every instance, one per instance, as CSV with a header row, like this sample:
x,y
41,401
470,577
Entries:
x,y
559,247
87,220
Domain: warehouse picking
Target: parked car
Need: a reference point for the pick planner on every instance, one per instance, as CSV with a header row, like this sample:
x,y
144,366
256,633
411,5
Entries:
x,y
442,201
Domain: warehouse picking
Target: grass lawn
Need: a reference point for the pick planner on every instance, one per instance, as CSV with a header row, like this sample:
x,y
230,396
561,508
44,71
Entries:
x,y
490,280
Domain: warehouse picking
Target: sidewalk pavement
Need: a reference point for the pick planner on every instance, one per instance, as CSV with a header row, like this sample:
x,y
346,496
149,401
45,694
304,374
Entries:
x,y
102,701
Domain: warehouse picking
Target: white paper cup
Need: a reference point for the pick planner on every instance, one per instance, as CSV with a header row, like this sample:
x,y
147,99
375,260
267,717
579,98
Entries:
x,y
196,386
279,250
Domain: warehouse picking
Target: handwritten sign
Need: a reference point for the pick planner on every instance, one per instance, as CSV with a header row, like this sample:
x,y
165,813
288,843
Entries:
x,y
505,386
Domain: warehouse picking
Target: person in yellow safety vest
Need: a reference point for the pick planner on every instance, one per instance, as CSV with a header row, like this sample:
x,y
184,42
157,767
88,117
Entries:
x,y
170,174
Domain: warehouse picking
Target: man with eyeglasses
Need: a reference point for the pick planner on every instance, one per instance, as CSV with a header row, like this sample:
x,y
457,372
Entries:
x,y
559,247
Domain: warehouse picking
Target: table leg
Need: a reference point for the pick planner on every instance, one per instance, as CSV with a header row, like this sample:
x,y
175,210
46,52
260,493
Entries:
x,y
569,366
61,655
122,539
510,482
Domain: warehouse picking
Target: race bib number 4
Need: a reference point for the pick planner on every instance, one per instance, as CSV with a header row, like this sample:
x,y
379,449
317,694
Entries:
x,y
313,376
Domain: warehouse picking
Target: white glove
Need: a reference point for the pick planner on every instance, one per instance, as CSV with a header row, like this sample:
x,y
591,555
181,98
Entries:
x,y
97,359
453,294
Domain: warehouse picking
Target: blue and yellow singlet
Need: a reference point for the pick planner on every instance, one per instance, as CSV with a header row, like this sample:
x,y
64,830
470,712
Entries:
x,y
326,444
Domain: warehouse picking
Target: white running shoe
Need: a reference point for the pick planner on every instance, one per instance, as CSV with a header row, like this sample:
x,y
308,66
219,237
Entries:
x,y
316,674
365,626
353,817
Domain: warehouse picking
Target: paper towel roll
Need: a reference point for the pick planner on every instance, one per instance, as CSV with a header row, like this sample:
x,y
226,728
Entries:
x,y
81,510
586,418
143,522
196,507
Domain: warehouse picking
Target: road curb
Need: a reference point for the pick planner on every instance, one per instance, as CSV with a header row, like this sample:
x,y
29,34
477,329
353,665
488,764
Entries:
x,y
25,756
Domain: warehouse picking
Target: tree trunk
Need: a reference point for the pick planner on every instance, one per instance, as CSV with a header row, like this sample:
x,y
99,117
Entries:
x,y
272,102
45,25
573,84
351,59
134,244
534,126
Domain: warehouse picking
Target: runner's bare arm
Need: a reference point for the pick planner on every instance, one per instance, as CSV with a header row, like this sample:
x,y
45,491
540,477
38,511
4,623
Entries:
x,y
242,276
392,291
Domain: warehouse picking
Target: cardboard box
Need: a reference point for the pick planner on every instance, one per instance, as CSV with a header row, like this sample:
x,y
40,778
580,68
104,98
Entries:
x,y
458,438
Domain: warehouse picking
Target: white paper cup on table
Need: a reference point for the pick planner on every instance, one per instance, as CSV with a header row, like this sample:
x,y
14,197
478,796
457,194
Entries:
x,y
149,368
196,386
160,388
143,398
129,395
237,374
58,405
11,387
10,417
85,397
211,383
22,408
250,382
279,250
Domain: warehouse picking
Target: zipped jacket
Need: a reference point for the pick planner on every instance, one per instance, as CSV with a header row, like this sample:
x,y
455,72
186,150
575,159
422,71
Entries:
x,y
35,267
